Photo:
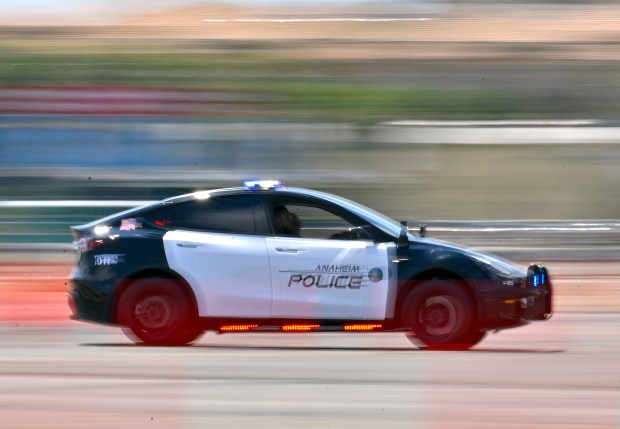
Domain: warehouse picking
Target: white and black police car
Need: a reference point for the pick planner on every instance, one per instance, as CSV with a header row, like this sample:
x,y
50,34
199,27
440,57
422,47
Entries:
x,y
267,258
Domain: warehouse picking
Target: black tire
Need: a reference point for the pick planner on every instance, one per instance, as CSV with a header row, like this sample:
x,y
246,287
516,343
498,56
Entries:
x,y
158,311
441,315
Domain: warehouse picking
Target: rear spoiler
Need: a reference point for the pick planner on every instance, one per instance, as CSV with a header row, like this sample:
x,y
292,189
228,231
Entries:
x,y
80,231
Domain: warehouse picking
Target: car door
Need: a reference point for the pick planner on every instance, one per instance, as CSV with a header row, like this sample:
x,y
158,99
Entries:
x,y
214,246
330,269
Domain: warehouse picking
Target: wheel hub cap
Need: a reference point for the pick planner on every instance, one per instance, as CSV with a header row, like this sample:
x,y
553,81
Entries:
x,y
154,312
438,315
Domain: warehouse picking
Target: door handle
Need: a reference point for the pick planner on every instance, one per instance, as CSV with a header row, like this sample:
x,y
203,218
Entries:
x,y
285,250
188,245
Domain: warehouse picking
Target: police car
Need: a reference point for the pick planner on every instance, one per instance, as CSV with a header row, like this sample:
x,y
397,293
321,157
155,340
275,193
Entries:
x,y
267,258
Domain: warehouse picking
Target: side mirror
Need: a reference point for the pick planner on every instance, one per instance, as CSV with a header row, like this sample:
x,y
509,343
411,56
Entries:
x,y
403,238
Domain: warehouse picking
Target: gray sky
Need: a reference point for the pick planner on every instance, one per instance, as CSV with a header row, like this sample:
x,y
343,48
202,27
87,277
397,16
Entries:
x,y
49,12
88,11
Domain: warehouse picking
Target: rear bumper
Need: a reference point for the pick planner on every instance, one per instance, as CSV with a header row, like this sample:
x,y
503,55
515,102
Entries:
x,y
506,308
87,303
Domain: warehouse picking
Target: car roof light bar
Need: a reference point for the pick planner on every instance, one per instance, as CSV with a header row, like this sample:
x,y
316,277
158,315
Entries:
x,y
263,184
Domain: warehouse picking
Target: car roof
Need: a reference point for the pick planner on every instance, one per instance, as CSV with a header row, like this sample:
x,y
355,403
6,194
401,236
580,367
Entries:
x,y
242,190
385,223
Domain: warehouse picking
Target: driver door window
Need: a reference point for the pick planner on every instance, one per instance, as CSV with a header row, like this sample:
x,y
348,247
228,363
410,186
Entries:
x,y
306,221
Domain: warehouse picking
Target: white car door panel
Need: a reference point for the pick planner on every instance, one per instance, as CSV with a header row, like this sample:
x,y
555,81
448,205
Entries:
x,y
328,279
229,273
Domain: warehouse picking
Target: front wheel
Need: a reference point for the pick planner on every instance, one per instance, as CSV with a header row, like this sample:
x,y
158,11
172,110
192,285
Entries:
x,y
441,316
157,311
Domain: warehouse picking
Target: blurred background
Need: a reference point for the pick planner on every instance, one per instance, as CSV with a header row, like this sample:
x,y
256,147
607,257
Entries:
x,y
496,123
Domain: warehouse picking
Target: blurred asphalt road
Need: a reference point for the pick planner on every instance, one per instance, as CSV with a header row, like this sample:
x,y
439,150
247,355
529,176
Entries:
x,y
555,374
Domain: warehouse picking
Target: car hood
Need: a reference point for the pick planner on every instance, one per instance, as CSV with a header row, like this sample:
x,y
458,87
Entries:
x,y
487,261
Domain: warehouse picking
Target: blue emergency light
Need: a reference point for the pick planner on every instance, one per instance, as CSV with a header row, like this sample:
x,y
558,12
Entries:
x,y
263,184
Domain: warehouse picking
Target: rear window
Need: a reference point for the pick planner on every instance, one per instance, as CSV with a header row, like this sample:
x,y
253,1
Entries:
x,y
232,214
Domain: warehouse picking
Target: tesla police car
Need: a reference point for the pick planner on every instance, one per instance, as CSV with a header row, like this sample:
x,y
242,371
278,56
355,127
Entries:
x,y
267,258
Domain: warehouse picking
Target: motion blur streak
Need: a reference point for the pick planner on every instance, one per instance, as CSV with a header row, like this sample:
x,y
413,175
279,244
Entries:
x,y
558,374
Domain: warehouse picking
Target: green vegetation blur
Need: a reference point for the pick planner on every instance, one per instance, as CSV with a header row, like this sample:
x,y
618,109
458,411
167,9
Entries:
x,y
291,86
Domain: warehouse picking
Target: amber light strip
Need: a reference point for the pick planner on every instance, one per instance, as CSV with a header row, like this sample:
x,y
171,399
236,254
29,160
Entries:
x,y
236,328
299,328
361,327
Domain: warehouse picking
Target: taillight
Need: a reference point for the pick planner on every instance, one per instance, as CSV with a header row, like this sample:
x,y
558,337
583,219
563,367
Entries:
x,y
80,245
84,245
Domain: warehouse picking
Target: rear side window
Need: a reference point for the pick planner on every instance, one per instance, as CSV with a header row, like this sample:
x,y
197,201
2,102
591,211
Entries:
x,y
233,214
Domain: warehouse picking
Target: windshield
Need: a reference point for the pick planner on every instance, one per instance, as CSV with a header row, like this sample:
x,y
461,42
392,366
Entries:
x,y
381,221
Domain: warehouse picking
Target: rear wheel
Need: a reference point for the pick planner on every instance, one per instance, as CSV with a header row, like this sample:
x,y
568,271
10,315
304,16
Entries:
x,y
157,311
441,315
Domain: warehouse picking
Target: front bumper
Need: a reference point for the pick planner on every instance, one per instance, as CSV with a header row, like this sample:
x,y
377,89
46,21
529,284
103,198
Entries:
x,y
504,307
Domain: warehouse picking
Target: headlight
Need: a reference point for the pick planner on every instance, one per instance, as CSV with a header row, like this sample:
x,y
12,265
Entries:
x,y
499,267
